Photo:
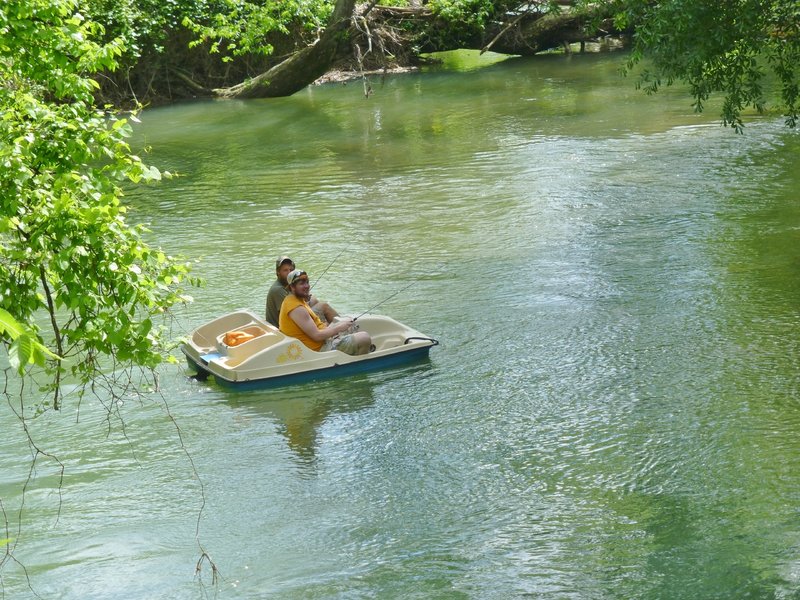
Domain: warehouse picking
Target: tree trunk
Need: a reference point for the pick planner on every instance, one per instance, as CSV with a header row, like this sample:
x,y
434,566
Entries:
x,y
536,33
304,67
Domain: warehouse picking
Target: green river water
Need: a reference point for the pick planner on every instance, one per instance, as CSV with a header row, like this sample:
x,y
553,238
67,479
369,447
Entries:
x,y
613,411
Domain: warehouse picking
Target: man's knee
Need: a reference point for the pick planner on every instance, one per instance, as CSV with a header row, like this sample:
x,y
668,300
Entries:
x,y
363,342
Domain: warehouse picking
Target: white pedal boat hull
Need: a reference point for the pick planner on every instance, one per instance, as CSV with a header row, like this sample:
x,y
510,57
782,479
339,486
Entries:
x,y
272,359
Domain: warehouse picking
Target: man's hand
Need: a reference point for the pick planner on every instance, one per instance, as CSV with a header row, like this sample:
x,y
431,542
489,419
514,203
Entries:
x,y
344,324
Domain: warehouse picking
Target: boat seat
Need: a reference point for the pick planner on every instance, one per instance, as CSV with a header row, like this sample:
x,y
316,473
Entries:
x,y
238,344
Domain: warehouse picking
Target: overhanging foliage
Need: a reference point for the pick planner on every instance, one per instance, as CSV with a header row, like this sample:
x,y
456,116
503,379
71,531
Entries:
x,y
66,250
730,48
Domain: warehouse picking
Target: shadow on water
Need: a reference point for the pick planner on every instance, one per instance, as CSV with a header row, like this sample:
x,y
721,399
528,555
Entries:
x,y
300,411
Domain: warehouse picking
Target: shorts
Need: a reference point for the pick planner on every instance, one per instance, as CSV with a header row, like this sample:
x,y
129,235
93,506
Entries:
x,y
344,342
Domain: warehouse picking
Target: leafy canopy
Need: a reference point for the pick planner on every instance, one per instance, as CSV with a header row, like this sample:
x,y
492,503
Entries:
x,y
735,48
240,27
71,268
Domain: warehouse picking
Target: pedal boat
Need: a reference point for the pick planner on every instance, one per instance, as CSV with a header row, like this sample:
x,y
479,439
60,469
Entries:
x,y
242,351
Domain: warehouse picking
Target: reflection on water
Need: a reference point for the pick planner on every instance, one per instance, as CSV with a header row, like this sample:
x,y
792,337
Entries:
x,y
612,411
300,411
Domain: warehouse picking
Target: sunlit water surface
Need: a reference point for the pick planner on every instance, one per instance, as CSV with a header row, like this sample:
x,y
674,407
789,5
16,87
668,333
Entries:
x,y
613,411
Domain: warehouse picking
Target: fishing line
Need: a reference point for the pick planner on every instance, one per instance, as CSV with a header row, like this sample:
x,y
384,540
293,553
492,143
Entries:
x,y
326,269
385,300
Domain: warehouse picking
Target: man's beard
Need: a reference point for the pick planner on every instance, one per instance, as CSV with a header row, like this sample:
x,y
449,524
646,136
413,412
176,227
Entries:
x,y
303,297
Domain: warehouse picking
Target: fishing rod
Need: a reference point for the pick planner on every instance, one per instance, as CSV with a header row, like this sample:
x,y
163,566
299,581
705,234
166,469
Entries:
x,y
385,300
326,268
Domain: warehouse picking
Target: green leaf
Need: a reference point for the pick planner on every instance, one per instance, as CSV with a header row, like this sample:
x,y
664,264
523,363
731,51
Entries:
x,y
9,325
20,353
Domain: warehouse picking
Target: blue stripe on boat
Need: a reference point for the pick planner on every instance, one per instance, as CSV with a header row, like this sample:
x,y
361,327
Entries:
x,y
342,370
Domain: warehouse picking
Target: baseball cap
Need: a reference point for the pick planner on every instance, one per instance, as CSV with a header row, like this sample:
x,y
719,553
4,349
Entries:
x,y
295,275
282,260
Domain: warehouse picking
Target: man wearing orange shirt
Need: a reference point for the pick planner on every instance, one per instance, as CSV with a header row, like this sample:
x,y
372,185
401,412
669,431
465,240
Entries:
x,y
298,320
